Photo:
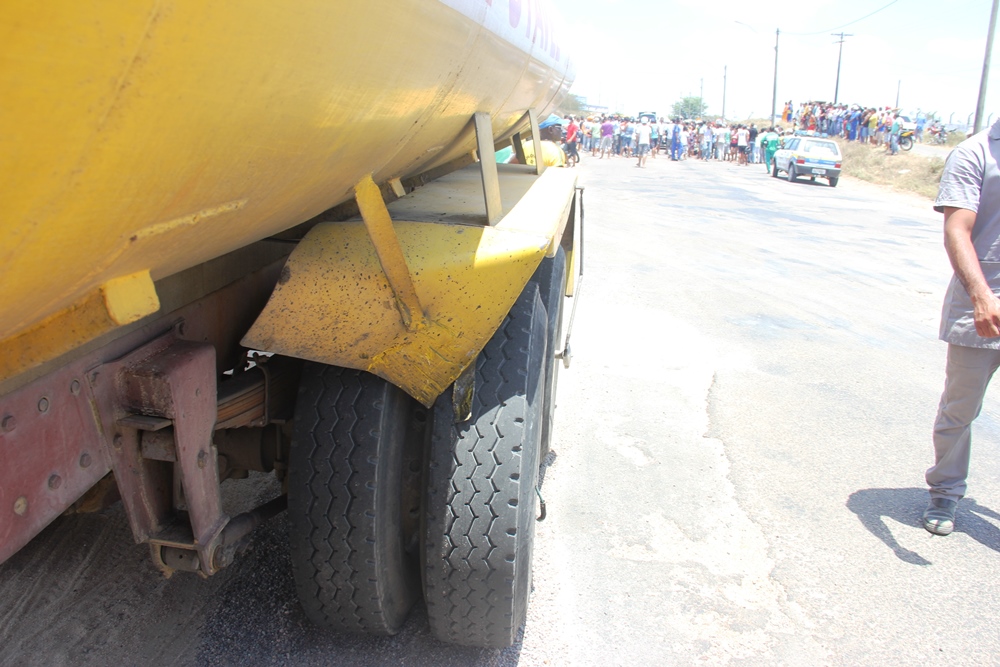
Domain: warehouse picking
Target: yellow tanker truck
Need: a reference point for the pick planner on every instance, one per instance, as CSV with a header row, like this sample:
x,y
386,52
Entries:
x,y
265,236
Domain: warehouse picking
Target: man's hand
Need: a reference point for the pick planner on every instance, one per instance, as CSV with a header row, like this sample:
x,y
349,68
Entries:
x,y
958,224
987,315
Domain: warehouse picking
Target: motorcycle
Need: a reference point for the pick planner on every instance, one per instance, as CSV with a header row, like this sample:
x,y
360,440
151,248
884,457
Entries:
x,y
906,139
939,135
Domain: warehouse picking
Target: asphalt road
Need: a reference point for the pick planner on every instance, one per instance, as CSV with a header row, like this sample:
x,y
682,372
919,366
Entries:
x,y
931,150
737,471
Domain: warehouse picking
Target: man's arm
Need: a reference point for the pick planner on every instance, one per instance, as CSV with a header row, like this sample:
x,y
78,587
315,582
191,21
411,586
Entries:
x,y
958,224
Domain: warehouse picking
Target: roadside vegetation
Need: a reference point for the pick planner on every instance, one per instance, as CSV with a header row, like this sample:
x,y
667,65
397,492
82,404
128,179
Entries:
x,y
906,171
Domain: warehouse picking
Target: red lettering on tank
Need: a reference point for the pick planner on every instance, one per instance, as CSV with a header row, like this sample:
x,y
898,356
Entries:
x,y
538,26
514,10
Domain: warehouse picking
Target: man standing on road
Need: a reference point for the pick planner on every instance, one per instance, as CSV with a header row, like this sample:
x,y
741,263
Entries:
x,y
706,140
894,128
719,133
572,134
643,135
675,140
770,144
742,144
607,132
969,197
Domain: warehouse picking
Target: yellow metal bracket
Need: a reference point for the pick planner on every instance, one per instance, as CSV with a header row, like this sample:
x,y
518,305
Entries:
x,y
130,298
390,253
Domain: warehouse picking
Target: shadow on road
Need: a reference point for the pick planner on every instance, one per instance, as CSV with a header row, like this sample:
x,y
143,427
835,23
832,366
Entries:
x,y
806,180
907,505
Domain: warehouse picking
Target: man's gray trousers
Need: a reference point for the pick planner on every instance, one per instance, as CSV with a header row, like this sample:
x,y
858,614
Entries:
x,y
968,373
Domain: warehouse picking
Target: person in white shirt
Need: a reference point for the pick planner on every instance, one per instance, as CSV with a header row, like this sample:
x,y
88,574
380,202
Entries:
x,y
742,143
643,133
719,134
667,134
706,141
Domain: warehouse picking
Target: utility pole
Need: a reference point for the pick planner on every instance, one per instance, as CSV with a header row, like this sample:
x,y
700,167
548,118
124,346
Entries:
x,y
840,55
724,68
981,103
774,95
701,89
898,86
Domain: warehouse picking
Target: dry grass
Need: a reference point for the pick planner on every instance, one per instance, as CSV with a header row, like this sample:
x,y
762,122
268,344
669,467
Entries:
x,y
906,172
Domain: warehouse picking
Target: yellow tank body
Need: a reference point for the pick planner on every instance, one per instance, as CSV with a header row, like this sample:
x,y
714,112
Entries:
x,y
143,138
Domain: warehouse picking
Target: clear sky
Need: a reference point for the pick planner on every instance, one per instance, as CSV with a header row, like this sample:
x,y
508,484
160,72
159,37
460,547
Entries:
x,y
634,55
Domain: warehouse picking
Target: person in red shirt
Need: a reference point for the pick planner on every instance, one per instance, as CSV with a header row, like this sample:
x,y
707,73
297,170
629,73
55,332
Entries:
x,y
572,132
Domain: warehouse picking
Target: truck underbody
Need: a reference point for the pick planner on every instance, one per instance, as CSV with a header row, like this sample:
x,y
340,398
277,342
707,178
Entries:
x,y
391,494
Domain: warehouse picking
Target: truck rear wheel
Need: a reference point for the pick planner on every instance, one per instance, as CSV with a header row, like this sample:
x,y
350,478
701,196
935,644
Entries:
x,y
354,566
551,280
482,473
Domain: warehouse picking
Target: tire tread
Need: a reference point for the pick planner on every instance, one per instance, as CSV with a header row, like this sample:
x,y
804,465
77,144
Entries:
x,y
482,474
336,522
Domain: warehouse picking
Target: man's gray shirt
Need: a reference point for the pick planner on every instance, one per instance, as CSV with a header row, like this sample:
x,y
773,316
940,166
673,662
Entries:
x,y
971,180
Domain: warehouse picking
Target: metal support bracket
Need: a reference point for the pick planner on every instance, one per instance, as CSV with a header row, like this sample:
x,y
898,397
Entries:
x,y
517,143
566,353
168,379
462,393
536,141
488,167
390,252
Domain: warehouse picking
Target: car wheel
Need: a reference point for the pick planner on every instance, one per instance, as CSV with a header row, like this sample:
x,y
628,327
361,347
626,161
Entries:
x,y
833,181
774,168
791,173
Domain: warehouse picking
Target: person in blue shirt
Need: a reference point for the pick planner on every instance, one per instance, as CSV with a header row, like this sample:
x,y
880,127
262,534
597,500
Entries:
x,y
675,140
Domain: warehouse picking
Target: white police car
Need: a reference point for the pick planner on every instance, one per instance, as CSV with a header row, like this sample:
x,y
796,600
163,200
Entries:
x,y
809,156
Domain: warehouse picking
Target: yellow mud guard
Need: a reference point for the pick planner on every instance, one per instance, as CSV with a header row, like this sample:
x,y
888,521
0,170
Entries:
x,y
334,303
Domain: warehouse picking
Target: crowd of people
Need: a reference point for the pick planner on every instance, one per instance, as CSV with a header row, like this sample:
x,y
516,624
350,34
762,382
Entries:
x,y
877,126
624,136
615,135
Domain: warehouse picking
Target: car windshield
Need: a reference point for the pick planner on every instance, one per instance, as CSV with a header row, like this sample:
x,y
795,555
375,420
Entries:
x,y
819,148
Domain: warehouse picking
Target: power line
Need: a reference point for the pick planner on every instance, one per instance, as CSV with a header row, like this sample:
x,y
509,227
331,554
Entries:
x,y
805,34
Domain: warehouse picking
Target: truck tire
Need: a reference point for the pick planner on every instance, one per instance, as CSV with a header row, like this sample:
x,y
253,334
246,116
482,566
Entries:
x,y
345,501
551,280
482,473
